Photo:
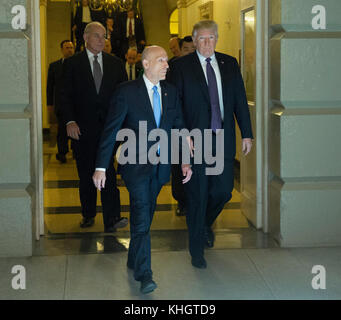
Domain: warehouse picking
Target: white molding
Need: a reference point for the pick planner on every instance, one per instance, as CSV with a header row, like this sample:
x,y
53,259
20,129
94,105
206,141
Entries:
x,y
37,126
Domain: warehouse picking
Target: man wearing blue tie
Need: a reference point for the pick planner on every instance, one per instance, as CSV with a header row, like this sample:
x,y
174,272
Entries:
x,y
157,104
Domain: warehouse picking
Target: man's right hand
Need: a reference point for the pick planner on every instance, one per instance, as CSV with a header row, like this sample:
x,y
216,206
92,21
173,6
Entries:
x,y
99,179
73,130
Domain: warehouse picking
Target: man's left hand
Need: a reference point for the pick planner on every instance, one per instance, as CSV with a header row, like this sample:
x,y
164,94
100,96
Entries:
x,y
186,172
247,145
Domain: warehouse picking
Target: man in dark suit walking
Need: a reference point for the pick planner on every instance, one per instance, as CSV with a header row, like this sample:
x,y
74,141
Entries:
x,y
84,15
53,88
133,32
132,67
155,104
212,93
90,78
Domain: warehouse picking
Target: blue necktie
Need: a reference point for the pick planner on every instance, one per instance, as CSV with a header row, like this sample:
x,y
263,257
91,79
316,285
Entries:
x,y
214,97
157,110
156,106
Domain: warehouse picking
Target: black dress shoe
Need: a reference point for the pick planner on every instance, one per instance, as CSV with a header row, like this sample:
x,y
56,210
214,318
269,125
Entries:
x,y
180,211
109,230
87,222
148,286
61,157
120,223
199,263
209,237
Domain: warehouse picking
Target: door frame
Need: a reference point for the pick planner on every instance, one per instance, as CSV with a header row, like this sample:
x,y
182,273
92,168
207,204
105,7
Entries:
x,y
37,125
262,104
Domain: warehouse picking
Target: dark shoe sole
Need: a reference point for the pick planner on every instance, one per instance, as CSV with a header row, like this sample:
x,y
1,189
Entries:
x,y
150,287
121,223
87,224
199,265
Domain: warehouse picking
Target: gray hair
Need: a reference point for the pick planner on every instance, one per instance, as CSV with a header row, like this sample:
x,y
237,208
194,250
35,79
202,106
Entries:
x,y
207,25
90,25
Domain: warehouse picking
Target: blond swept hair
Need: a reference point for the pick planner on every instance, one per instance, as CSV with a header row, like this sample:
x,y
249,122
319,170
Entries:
x,y
207,25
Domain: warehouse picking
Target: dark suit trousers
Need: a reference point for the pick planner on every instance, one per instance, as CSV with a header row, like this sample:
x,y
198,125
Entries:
x,y
206,197
62,138
143,197
178,191
85,151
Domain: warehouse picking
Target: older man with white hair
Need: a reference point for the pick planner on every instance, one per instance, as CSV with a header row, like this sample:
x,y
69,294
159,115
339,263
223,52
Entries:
x,y
90,78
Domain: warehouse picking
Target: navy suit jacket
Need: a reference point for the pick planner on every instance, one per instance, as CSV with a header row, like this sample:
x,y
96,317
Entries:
x,y
188,76
54,84
130,105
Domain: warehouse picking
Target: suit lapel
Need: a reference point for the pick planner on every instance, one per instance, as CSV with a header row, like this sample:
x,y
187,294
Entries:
x,y
197,68
143,93
87,69
164,99
104,73
224,74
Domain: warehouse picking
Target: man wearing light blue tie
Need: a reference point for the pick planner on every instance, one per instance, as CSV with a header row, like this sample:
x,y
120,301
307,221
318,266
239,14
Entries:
x,y
157,104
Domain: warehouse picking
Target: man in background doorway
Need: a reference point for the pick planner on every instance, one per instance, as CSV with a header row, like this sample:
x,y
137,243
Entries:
x,y
174,47
186,45
54,83
133,32
132,68
114,35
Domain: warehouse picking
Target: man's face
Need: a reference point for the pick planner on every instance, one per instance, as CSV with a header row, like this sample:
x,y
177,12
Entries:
x,y
95,39
156,64
205,41
68,50
131,57
130,14
85,3
187,47
174,47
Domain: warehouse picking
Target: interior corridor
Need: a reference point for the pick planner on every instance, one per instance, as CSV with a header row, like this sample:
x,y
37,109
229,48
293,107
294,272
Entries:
x,y
62,215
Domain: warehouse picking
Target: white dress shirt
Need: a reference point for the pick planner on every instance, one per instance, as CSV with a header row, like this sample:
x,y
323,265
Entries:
x,y
132,71
149,86
214,64
150,90
133,27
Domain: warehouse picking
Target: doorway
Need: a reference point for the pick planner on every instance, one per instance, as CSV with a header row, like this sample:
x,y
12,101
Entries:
x,y
62,212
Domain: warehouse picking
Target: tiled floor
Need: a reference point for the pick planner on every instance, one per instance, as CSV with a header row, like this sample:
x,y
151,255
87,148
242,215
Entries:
x,y
62,207
244,264
272,273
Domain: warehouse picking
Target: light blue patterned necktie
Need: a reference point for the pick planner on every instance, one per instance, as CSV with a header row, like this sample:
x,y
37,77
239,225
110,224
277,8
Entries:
x,y
156,106
157,110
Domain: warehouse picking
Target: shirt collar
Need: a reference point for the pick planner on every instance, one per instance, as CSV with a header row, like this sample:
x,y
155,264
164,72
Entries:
x,y
150,84
203,59
91,55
